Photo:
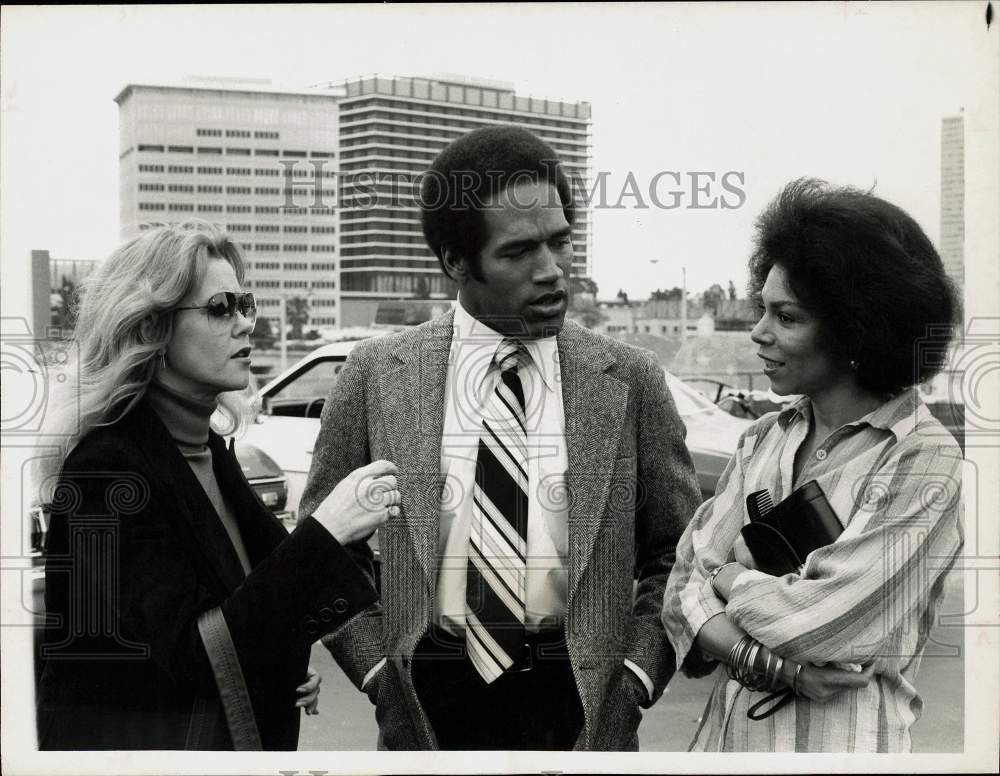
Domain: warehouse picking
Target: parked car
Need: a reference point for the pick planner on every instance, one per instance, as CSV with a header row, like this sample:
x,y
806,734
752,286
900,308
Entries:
x,y
740,403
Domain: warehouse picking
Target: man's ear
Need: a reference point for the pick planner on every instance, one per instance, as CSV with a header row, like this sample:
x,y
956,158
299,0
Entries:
x,y
455,264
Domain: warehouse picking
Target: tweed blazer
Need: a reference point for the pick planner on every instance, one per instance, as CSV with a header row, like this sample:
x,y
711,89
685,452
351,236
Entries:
x,y
632,491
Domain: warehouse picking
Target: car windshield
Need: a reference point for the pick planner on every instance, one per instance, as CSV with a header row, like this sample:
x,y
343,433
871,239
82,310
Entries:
x,y
689,402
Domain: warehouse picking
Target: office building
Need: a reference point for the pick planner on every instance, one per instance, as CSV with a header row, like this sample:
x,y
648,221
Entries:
x,y
952,239
257,160
317,185
391,128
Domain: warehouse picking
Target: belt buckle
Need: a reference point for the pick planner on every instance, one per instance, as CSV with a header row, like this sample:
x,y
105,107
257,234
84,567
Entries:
x,y
527,662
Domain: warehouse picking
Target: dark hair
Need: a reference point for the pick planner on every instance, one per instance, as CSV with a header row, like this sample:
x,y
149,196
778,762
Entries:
x,y
470,173
869,274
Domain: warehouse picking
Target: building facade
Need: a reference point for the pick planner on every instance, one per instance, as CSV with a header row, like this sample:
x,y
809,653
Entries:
x,y
317,186
391,128
258,161
952,240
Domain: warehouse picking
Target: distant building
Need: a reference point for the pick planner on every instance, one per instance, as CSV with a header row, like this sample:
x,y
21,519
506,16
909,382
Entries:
x,y
316,185
735,315
952,240
391,128
55,284
661,317
250,157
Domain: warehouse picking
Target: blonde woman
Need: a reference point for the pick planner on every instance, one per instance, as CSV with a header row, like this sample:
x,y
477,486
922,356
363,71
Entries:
x,y
183,611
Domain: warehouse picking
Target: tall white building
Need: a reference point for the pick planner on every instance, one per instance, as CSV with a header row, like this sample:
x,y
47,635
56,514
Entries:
x,y
953,198
274,166
250,158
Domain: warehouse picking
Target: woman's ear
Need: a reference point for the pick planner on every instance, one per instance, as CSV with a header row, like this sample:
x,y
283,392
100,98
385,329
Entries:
x,y
455,265
147,329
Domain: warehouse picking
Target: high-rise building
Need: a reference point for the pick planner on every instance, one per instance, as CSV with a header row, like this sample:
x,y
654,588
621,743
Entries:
x,y
952,240
391,128
318,185
240,154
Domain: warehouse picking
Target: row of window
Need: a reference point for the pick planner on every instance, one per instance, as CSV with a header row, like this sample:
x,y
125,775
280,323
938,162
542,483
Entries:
x,y
384,251
184,207
288,229
297,174
235,151
262,135
507,102
394,237
382,263
391,283
298,266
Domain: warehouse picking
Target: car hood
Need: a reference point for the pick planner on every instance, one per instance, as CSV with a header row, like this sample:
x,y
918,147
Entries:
x,y
714,432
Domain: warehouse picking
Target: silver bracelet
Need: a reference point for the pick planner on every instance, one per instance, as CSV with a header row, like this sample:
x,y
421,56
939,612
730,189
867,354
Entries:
x,y
715,572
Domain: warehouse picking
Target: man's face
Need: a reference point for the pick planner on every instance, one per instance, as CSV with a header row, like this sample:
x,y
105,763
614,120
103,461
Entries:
x,y
524,264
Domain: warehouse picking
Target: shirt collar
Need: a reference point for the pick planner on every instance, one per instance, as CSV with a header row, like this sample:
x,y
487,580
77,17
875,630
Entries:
x,y
898,415
544,352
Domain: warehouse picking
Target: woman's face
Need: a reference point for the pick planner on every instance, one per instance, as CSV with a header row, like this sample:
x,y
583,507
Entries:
x,y
788,339
208,355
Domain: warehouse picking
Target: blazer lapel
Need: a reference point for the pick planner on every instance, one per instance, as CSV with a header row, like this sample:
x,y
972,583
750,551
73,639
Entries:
x,y
411,399
594,406
259,528
193,505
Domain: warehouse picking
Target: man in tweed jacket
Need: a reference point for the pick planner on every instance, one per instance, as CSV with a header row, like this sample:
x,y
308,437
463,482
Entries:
x,y
626,478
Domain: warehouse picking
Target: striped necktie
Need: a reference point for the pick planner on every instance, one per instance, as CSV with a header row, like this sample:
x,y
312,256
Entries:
x,y
495,580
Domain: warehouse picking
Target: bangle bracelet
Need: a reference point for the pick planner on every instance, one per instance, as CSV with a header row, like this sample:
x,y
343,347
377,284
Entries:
x,y
795,680
715,572
776,679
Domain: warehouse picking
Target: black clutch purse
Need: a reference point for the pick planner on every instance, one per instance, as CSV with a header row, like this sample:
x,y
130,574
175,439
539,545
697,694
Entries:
x,y
780,537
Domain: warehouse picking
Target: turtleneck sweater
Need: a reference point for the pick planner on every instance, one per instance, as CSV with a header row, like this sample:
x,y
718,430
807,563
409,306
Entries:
x,y
187,420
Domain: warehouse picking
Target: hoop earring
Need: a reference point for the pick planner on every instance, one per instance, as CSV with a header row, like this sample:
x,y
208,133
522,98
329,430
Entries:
x,y
854,365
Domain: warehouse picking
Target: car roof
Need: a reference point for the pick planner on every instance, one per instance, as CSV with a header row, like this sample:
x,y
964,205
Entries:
x,y
331,350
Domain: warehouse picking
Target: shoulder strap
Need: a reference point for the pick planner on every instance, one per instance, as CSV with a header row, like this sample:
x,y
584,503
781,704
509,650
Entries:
x,y
229,679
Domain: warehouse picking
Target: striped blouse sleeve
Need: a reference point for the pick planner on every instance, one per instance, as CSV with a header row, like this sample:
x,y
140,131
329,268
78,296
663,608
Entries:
x,y
689,599
857,596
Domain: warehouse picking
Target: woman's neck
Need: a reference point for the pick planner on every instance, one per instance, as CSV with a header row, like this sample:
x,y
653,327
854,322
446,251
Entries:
x,y
841,403
186,417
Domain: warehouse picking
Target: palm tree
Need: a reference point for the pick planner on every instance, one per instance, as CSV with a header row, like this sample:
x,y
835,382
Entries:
x,y
297,312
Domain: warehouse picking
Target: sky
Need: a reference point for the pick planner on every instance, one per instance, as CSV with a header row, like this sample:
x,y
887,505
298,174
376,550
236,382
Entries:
x,y
853,93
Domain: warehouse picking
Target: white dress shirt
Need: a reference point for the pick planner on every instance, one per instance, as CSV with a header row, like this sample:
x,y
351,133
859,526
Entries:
x,y
472,377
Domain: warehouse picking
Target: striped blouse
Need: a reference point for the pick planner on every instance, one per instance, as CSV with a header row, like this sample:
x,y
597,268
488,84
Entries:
x,y
894,479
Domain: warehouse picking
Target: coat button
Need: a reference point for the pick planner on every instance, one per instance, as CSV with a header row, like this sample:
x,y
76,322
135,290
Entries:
x,y
821,454
326,614
340,606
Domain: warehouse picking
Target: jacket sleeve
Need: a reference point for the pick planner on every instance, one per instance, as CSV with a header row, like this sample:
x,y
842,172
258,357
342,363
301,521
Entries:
x,y
857,597
690,599
341,447
123,579
667,499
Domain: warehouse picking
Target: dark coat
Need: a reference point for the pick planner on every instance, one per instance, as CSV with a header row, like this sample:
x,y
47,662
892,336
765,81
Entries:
x,y
136,553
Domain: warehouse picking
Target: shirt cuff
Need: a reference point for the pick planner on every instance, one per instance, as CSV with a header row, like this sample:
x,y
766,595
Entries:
x,y
643,677
374,670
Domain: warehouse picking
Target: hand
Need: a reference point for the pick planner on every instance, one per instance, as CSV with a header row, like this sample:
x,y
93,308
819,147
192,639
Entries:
x,y
309,692
723,582
360,503
821,683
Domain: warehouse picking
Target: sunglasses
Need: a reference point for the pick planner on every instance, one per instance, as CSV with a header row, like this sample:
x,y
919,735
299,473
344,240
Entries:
x,y
223,305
